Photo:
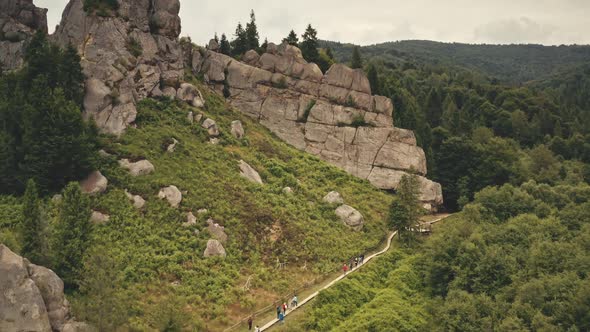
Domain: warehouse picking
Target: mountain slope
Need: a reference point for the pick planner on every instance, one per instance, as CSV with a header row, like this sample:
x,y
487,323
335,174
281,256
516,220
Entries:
x,y
513,64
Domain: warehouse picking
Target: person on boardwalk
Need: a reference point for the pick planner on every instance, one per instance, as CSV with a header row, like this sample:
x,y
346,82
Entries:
x,y
257,329
362,258
278,311
285,307
282,318
250,321
344,268
294,301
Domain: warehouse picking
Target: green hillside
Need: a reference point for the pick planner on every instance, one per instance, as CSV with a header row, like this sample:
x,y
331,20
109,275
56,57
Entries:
x,y
513,64
160,260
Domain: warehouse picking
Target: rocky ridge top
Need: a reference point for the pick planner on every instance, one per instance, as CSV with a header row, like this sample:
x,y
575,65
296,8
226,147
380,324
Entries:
x,y
333,115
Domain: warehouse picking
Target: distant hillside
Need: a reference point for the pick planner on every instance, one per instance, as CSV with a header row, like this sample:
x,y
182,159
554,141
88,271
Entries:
x,y
509,63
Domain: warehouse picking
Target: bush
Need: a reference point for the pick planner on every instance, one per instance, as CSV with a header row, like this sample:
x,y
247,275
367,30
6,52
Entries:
x,y
307,110
281,84
101,7
350,102
134,47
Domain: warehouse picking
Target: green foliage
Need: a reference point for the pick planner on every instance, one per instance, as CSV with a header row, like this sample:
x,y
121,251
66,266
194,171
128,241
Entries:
x,y
224,45
325,61
350,102
239,45
134,47
252,38
373,79
357,60
291,39
72,235
405,210
309,44
32,227
281,84
42,133
307,110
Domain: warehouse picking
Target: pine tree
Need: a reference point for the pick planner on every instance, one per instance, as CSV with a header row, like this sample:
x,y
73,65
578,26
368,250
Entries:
x,y
32,228
357,60
451,116
291,39
434,108
330,53
252,37
73,231
224,46
309,45
71,78
264,46
405,209
240,43
373,79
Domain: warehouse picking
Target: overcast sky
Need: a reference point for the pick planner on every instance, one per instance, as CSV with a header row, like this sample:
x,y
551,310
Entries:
x,y
549,22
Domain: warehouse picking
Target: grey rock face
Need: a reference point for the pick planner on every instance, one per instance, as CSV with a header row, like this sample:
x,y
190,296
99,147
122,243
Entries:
x,y
32,297
190,94
350,217
127,57
211,127
138,201
237,130
333,116
19,20
216,231
249,173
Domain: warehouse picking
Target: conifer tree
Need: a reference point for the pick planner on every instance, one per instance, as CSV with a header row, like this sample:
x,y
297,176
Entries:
x,y
309,45
73,231
71,78
357,60
292,39
32,229
252,37
224,46
405,209
373,79
434,108
240,43
264,46
451,116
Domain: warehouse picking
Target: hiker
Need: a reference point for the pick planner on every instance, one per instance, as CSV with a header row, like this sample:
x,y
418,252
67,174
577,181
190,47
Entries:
x,y
294,301
250,323
285,307
344,268
282,318
257,329
278,311
356,261
362,258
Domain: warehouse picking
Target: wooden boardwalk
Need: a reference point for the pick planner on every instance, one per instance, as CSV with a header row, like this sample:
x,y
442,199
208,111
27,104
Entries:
x,y
342,276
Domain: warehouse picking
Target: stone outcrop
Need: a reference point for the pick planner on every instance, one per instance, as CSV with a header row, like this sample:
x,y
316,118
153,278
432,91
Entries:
x,y
350,217
214,248
128,56
217,231
94,184
19,20
138,201
249,173
333,197
333,116
142,167
32,297
191,220
99,218
172,195
237,129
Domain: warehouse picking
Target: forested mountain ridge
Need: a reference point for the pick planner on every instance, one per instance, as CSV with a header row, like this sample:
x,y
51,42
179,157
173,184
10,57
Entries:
x,y
513,64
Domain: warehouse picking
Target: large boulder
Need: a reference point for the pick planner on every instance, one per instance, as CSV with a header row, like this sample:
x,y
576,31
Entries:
x,y
95,183
217,231
32,298
191,220
99,218
214,249
211,126
172,195
333,197
142,167
249,173
138,201
350,217
190,94
237,130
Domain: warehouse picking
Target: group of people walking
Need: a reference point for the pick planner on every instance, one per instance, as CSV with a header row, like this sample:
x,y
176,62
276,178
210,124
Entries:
x,y
353,263
281,313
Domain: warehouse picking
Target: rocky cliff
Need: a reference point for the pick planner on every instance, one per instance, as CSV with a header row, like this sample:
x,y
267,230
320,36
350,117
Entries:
x,y
333,116
19,20
32,297
130,54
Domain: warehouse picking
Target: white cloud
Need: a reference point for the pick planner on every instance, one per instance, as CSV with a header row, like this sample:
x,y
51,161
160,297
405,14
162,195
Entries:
x,y
520,30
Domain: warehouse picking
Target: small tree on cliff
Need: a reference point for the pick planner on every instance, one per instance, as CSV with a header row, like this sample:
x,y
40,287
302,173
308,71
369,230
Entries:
x,y
240,43
73,232
224,46
309,45
357,60
292,39
252,37
32,229
373,79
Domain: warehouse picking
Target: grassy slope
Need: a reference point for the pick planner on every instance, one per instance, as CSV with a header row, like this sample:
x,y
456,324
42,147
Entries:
x,y
262,222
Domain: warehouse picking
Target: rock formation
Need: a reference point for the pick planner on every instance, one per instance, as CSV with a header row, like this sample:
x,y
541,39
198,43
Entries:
x,y
248,172
172,195
333,197
333,116
350,217
94,184
141,167
128,56
19,20
214,248
32,297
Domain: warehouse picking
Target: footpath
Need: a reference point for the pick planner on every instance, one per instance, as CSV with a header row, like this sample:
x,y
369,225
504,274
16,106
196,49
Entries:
x,y
342,276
